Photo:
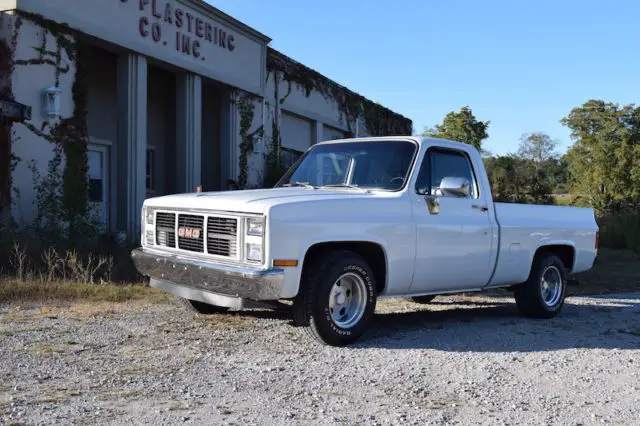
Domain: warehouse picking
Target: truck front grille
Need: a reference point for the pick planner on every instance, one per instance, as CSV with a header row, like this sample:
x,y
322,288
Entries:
x,y
166,229
191,232
222,236
187,232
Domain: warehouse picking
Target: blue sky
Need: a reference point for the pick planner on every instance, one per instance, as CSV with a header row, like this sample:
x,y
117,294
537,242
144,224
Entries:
x,y
521,65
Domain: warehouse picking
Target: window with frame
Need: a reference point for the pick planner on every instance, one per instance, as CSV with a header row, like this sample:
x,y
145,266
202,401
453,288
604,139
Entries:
x,y
150,175
290,156
439,164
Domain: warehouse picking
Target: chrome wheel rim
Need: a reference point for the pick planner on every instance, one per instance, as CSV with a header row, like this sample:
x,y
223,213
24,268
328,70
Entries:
x,y
347,300
551,286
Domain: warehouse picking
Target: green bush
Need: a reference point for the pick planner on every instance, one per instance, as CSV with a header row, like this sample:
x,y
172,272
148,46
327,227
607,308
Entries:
x,y
621,231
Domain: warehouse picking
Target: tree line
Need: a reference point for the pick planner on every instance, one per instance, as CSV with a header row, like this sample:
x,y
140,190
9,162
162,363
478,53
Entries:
x,y
601,169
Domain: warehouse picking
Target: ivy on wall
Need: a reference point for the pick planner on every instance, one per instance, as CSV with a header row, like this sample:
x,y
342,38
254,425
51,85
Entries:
x,y
380,121
274,163
51,57
68,136
246,108
8,161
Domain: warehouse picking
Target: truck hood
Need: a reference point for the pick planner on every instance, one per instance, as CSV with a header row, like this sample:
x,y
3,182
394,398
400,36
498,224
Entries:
x,y
253,200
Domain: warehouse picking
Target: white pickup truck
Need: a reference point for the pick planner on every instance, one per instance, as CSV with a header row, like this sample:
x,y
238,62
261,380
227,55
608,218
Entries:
x,y
355,220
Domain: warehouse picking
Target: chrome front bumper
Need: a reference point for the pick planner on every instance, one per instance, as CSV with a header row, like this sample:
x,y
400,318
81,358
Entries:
x,y
201,276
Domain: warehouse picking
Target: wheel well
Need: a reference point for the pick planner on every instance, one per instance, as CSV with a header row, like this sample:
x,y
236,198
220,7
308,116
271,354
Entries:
x,y
565,253
372,253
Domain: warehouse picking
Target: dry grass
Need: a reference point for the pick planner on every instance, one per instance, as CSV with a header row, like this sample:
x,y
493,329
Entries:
x,y
615,271
40,290
564,199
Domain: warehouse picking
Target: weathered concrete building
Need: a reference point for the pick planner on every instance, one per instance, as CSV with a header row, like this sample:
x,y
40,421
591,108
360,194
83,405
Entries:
x,y
138,98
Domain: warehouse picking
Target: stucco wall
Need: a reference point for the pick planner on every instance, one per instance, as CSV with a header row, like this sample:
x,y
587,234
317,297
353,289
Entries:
x,y
28,83
331,133
126,23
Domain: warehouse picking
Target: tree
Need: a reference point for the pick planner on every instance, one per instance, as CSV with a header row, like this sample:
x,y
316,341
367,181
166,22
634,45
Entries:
x,y
461,126
531,175
518,180
538,147
604,161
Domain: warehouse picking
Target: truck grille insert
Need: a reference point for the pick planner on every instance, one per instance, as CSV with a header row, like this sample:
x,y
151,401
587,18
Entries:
x,y
189,232
166,229
221,236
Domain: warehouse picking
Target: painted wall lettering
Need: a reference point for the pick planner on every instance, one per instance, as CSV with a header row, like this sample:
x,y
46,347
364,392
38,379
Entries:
x,y
191,31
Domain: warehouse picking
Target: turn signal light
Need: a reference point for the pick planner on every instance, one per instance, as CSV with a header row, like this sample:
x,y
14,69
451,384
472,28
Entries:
x,y
285,262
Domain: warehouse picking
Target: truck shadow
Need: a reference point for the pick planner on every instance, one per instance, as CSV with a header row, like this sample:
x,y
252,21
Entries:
x,y
494,325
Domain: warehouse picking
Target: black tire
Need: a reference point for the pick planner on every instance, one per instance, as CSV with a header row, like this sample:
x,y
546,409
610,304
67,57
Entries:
x,y
531,297
200,307
423,300
311,307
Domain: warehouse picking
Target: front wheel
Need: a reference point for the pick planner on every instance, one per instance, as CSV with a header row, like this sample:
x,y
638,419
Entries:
x,y
542,295
337,298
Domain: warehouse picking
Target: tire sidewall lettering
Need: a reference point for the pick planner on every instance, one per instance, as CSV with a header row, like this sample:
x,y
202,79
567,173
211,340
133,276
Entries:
x,y
360,271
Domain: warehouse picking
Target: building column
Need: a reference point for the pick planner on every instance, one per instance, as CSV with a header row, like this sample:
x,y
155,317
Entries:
x,y
318,128
132,140
189,132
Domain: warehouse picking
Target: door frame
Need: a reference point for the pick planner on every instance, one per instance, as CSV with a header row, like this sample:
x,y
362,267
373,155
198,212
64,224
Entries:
x,y
104,147
418,202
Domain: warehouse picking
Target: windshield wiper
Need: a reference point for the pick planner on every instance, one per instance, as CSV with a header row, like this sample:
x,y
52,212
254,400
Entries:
x,y
344,185
305,184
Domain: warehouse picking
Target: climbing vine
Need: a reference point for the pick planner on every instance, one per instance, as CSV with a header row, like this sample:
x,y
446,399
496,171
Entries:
x,y
61,34
246,108
5,131
8,161
380,121
68,136
274,161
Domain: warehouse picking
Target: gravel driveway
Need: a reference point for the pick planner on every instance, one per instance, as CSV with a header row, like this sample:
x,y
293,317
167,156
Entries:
x,y
461,360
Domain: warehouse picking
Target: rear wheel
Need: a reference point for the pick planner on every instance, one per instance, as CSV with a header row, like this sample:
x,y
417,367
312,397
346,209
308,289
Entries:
x,y
337,298
542,295
423,300
200,307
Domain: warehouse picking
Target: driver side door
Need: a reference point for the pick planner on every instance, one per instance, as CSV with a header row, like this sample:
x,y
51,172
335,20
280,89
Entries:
x,y
454,231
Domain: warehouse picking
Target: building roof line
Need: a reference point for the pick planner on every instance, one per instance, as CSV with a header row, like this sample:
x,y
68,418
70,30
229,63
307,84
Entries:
x,y
227,18
279,56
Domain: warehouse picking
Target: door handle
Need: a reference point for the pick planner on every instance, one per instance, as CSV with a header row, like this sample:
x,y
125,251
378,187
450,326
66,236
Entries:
x,y
480,207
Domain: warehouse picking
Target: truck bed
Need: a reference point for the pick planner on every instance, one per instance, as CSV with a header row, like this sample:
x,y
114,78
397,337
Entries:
x,y
524,227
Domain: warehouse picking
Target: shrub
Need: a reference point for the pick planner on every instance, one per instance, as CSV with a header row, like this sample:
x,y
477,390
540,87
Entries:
x,y
621,231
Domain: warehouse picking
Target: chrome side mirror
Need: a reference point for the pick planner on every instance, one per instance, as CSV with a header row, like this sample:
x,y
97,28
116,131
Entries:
x,y
455,187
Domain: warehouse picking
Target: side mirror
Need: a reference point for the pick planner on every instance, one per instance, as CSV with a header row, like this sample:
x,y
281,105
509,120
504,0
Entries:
x,y
455,187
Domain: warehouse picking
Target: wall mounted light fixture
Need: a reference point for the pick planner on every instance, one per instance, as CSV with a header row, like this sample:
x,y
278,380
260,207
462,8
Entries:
x,y
51,101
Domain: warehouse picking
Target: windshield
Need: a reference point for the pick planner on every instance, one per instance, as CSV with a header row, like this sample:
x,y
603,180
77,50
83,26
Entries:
x,y
372,165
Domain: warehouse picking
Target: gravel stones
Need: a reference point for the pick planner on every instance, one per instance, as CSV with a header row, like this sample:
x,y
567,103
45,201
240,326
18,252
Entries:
x,y
417,365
